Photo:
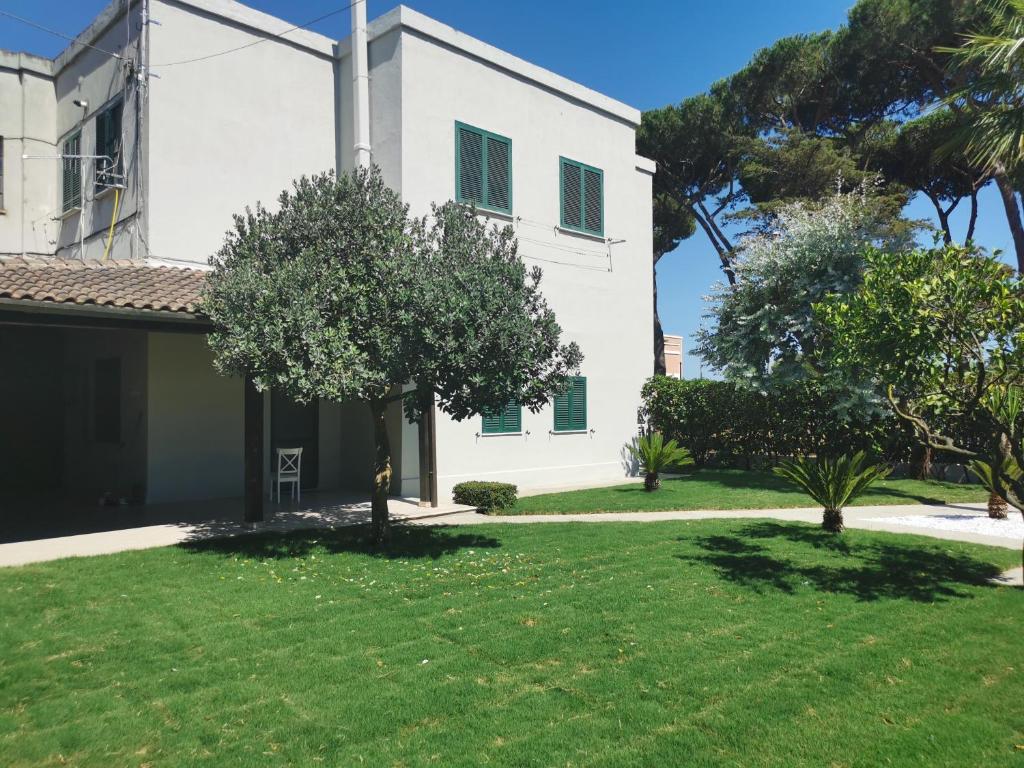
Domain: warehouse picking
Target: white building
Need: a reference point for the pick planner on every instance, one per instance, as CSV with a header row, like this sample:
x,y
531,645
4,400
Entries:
x,y
181,124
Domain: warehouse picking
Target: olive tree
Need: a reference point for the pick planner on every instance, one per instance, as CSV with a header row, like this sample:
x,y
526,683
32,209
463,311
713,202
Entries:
x,y
340,295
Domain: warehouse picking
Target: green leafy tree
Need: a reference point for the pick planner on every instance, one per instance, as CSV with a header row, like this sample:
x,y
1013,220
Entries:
x,y
339,295
942,333
763,329
833,483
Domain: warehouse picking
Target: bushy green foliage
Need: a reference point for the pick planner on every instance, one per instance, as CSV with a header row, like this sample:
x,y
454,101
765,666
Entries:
x,y
724,423
833,483
763,330
942,332
655,455
340,295
485,495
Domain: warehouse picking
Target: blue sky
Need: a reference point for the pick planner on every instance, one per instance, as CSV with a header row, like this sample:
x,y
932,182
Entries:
x,y
642,52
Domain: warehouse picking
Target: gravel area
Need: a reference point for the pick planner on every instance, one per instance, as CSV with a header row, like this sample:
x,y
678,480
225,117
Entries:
x,y
1011,528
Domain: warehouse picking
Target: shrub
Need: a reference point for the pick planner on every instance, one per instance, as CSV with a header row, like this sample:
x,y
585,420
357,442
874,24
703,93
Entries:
x,y
724,423
485,496
833,483
655,455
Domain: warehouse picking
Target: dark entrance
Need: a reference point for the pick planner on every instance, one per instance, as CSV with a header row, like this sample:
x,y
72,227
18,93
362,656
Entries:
x,y
293,425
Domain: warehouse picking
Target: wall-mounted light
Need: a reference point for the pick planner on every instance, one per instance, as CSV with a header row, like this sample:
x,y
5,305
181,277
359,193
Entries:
x,y
81,103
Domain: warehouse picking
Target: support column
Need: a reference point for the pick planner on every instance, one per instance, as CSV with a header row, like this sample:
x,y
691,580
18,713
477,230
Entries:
x,y
253,453
428,459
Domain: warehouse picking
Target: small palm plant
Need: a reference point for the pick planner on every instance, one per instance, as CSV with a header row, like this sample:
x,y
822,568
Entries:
x,y
655,455
833,483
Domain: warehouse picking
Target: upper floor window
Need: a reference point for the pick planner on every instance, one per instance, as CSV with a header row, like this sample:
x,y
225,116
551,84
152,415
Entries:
x,y
507,420
71,173
582,197
483,168
571,407
109,166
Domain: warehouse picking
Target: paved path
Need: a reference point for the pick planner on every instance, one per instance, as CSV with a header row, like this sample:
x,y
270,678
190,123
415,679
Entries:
x,y
855,517
329,516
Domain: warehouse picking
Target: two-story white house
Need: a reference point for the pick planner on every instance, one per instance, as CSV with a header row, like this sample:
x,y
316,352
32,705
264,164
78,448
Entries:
x,y
124,159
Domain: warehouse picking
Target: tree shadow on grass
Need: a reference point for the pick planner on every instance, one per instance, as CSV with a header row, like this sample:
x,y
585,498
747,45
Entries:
x,y
407,542
868,571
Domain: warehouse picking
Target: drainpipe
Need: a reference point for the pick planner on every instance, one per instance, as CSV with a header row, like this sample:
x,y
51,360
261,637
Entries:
x,y
360,87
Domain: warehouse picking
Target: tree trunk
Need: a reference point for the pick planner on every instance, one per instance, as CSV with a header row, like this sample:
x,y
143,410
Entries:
x,y
923,468
659,334
651,481
380,523
832,521
997,506
1012,214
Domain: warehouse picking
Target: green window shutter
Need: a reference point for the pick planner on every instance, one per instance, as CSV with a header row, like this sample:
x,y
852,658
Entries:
x,y
571,407
572,201
71,174
469,165
593,201
509,419
499,175
483,168
582,197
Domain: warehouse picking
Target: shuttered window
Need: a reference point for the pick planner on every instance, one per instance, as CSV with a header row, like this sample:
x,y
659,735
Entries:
x,y
108,143
582,197
508,419
483,168
71,173
571,407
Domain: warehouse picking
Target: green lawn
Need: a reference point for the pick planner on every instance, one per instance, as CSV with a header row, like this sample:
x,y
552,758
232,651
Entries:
x,y
705,643
731,489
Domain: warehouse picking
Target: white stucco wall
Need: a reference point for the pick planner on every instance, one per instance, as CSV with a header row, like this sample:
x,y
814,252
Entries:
x,y
234,130
601,292
28,127
195,422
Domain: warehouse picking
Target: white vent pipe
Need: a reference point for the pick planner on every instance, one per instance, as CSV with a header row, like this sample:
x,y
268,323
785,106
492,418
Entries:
x,y
360,87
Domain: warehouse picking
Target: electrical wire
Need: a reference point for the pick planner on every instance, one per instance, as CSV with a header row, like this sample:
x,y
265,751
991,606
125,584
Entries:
x,y
40,27
278,36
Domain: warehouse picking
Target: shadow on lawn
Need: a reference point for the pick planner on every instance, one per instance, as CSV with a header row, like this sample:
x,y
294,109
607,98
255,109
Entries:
x,y
406,543
868,571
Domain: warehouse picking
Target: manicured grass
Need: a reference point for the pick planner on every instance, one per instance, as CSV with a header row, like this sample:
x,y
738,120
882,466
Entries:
x,y
731,489
706,643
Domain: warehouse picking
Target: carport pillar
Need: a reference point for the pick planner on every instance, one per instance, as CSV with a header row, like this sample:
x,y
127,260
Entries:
x,y
253,453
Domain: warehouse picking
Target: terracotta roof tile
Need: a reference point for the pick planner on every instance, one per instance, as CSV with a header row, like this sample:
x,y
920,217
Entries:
x,y
127,284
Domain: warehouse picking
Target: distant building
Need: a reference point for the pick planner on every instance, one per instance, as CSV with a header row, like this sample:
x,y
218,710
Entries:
x,y
674,356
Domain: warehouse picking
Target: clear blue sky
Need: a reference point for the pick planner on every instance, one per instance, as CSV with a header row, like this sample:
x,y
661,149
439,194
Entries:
x,y
642,52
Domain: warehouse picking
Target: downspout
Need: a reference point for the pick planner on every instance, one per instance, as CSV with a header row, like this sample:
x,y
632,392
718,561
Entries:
x,y
360,87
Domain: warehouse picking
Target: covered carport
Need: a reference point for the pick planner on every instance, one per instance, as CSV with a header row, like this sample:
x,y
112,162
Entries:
x,y
112,416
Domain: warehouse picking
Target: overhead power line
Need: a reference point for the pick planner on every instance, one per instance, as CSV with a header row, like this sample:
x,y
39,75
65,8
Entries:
x,y
40,27
278,36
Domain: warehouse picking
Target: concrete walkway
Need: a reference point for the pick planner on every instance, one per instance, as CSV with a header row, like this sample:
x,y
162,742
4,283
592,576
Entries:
x,y
320,513
855,517
405,511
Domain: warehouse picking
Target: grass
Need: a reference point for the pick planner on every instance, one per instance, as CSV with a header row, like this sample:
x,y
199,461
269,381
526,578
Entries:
x,y
705,643
732,489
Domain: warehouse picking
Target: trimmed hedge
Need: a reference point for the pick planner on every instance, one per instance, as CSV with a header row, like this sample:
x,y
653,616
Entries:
x,y
725,424
485,496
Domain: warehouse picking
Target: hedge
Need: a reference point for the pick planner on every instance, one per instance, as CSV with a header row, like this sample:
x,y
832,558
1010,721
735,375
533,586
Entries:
x,y
726,424
485,496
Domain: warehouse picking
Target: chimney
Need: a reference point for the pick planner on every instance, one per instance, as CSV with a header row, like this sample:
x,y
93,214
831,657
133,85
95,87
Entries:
x,y
360,87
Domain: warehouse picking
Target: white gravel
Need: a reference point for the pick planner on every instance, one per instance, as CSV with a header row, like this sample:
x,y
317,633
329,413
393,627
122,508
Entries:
x,y
1011,528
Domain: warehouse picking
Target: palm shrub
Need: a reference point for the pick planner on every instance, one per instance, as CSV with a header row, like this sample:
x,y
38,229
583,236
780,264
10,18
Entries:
x,y
833,483
655,455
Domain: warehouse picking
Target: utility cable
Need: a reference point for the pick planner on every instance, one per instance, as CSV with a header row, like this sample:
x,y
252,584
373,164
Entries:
x,y
38,26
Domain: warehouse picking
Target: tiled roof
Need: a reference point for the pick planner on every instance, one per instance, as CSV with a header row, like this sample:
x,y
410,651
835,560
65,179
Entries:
x,y
127,284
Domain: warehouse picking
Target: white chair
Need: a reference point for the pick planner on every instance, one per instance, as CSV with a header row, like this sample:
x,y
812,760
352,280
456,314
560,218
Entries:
x,y
289,470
